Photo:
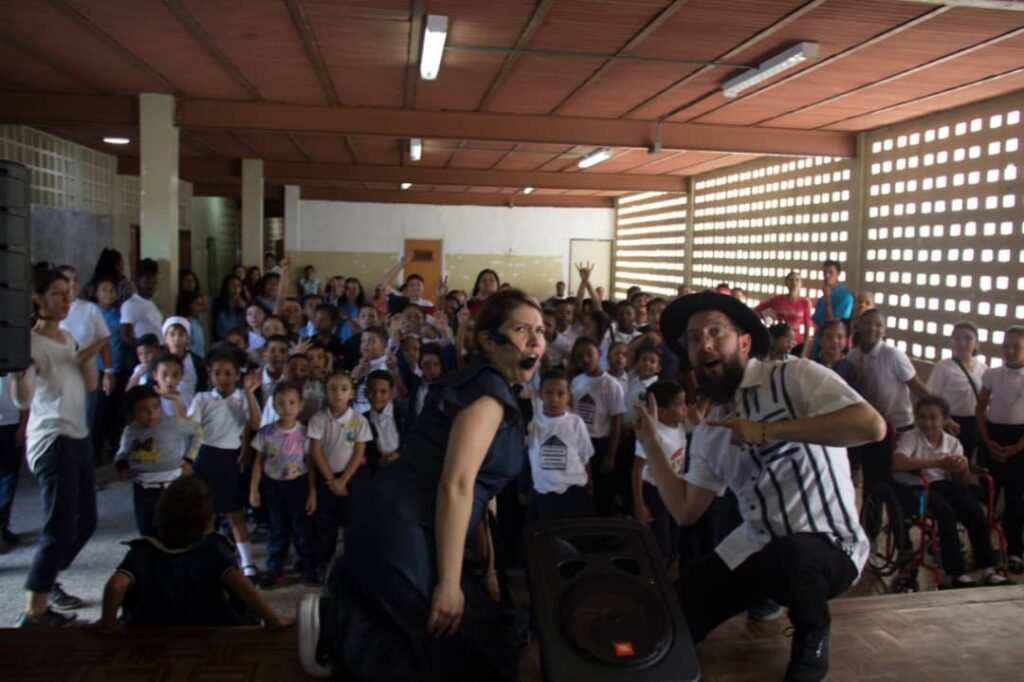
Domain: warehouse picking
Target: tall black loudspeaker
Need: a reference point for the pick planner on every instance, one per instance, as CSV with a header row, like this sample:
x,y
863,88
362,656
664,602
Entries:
x,y
15,267
603,605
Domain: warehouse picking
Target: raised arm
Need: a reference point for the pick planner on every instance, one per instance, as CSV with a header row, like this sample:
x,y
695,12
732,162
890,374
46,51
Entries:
x,y
856,424
387,280
471,436
686,502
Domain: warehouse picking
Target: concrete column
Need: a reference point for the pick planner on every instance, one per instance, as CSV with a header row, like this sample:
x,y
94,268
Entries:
x,y
158,238
292,239
252,212
691,195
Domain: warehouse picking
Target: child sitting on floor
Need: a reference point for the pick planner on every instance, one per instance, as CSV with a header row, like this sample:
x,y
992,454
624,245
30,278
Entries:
x,y
929,451
186,576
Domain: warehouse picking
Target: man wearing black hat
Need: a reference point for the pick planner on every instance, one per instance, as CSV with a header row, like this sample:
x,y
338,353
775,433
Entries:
x,y
775,437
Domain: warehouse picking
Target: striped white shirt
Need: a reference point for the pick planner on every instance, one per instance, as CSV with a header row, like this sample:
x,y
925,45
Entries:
x,y
783,488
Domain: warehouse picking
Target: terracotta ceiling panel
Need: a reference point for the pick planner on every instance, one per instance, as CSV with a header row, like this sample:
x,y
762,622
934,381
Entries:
x,y
223,143
327,148
264,43
277,146
481,189
43,28
923,106
475,159
545,148
524,161
831,25
433,157
538,84
625,84
713,161
939,36
365,55
495,23
972,67
454,189
385,151
382,185
150,31
462,82
599,26
20,70
623,160
705,30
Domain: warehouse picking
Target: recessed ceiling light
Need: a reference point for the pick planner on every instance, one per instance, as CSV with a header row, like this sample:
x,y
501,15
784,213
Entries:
x,y
406,185
415,149
595,157
527,190
435,32
116,140
771,67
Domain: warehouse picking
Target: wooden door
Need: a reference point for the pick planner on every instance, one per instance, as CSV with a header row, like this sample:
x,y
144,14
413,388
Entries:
x,y
134,250
426,262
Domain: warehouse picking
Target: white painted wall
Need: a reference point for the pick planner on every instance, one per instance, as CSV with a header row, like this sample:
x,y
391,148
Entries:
x,y
488,230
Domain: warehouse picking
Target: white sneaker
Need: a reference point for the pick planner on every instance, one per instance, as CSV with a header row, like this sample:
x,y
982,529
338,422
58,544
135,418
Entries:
x,y
308,626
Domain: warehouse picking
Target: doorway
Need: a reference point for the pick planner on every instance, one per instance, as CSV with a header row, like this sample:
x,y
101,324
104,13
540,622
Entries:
x,y
184,249
426,262
596,251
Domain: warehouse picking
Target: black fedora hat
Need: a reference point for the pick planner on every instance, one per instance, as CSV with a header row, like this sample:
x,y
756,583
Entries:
x,y
678,312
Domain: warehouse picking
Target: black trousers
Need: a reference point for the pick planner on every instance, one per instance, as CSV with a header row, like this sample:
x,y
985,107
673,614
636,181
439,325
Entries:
x,y
145,500
969,437
801,571
1009,475
574,503
10,467
617,483
947,504
332,514
66,485
285,502
663,526
108,419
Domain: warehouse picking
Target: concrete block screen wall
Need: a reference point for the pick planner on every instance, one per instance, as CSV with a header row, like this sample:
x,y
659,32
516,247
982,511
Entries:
x,y
944,234
650,242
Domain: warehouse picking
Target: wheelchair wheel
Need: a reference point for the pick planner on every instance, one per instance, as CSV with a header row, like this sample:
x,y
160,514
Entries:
x,y
881,517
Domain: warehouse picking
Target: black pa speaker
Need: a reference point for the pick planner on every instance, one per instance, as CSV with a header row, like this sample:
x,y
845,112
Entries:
x,y
15,267
603,604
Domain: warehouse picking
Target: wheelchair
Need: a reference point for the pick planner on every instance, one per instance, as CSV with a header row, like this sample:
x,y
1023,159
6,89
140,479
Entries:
x,y
888,527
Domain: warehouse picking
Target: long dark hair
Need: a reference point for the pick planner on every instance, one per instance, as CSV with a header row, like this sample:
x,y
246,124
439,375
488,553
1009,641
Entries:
x,y
106,266
223,301
43,276
480,275
360,299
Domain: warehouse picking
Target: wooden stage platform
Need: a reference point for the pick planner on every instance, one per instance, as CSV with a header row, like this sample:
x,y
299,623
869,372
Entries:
x,y
954,635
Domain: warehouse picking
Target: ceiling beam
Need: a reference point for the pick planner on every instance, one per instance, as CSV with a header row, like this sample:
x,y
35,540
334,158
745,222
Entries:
x,y
569,130
412,58
45,59
41,108
294,172
298,15
233,189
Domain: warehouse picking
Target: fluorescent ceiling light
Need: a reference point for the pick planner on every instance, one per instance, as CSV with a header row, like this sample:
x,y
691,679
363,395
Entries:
x,y
116,140
527,190
434,34
406,185
595,157
415,149
771,67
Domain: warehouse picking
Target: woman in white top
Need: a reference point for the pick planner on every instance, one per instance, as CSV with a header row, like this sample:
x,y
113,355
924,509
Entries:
x,y
54,388
958,380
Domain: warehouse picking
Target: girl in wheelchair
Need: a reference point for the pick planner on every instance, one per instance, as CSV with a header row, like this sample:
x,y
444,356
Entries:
x,y
926,452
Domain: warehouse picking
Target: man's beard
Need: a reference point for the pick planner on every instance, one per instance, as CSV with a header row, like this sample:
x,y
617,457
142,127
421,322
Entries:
x,y
721,390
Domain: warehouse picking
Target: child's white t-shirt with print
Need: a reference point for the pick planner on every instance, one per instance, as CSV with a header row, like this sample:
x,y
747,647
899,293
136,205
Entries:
x,y
559,449
673,443
597,400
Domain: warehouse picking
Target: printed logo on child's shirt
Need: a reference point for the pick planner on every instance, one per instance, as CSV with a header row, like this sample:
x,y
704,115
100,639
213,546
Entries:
x,y
554,454
587,409
144,451
677,461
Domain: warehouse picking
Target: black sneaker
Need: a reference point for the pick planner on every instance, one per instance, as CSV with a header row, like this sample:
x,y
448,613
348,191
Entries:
x,y
62,601
311,578
48,619
808,658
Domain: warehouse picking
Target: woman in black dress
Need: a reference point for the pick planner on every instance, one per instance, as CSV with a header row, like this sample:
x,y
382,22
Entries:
x,y
401,604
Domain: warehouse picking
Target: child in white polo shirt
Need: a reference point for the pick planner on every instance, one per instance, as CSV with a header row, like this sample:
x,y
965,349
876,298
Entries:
x,y
337,445
599,400
224,412
648,507
559,448
1000,416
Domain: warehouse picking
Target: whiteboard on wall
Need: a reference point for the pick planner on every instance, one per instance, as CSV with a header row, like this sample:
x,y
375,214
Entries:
x,y
597,252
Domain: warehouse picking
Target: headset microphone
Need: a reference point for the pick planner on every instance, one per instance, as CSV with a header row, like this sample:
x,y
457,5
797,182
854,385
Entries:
x,y
525,361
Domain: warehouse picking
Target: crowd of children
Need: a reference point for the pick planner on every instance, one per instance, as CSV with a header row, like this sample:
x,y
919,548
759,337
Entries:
x,y
277,411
